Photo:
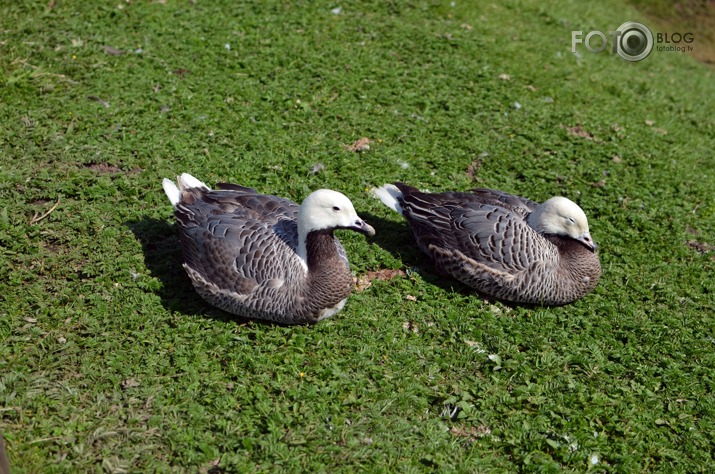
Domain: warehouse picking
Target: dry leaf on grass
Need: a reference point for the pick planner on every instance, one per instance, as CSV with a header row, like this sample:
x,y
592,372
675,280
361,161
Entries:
x,y
473,168
113,51
130,383
579,131
364,282
181,72
362,144
104,168
476,164
471,432
361,283
410,326
702,247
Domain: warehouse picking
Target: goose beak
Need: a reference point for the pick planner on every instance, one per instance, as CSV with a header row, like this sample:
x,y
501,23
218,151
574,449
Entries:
x,y
586,240
364,227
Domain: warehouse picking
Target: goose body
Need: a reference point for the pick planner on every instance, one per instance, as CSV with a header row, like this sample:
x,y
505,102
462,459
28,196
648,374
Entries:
x,y
262,256
502,245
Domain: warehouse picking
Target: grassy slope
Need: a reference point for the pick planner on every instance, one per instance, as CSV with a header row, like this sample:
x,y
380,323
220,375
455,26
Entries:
x,y
108,360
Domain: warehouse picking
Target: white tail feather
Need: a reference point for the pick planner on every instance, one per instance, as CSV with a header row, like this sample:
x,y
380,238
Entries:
x,y
187,181
388,194
172,192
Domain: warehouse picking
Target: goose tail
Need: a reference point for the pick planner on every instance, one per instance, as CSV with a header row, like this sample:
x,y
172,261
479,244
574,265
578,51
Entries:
x,y
390,195
185,181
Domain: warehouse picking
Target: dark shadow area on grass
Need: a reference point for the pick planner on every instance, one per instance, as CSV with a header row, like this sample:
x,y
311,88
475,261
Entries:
x,y
396,238
162,256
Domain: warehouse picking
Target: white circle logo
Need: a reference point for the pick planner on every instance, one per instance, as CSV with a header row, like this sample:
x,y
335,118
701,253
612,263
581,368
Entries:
x,y
635,41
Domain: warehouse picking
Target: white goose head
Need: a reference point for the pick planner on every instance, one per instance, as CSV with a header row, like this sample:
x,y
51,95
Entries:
x,y
561,216
326,209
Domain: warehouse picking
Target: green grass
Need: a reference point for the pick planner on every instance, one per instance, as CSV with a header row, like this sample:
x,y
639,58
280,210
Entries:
x,y
109,361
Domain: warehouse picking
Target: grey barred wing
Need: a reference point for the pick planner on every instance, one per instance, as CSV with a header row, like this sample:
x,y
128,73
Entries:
x,y
498,238
238,240
517,204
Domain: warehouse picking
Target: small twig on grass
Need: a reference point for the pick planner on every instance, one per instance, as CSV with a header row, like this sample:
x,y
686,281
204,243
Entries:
x,y
99,99
37,218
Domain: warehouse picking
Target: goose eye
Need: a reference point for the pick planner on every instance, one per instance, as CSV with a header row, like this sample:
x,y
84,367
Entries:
x,y
336,208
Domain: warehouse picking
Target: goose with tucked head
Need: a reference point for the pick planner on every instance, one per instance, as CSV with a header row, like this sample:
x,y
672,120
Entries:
x,y
262,256
503,245
561,216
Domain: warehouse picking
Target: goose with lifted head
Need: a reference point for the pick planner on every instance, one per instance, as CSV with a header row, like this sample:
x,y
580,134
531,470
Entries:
x,y
506,246
262,256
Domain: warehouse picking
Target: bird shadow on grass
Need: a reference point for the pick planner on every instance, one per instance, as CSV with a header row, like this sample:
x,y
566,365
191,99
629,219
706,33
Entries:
x,y
396,238
162,256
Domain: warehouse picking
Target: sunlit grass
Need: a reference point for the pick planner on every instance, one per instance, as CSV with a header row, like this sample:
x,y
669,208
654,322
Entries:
x,y
110,361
